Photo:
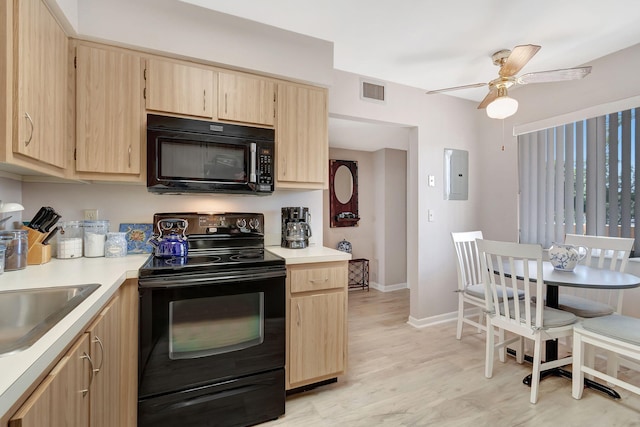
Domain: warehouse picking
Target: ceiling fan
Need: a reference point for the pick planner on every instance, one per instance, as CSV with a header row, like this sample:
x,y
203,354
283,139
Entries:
x,y
498,104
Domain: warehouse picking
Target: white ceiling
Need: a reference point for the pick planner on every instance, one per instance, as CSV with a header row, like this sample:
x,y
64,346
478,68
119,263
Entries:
x,y
433,44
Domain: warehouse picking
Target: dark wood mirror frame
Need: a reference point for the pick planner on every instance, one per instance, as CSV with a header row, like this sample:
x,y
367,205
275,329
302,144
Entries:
x,y
343,214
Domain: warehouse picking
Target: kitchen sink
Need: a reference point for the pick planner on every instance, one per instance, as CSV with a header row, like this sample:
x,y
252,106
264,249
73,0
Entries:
x,y
26,315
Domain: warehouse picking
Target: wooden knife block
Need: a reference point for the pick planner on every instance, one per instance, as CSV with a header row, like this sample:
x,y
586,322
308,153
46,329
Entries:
x,y
37,252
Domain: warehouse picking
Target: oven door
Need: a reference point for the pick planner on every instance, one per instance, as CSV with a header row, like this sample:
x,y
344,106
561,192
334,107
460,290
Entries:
x,y
202,329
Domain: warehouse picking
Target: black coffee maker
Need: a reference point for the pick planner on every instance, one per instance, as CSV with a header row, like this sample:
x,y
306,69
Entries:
x,y
295,227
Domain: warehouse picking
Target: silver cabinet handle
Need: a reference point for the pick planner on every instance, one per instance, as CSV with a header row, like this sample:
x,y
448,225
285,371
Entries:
x,y
28,141
86,390
326,279
225,103
204,100
129,156
97,339
299,314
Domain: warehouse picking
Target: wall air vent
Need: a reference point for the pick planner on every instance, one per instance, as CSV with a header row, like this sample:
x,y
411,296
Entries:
x,y
372,91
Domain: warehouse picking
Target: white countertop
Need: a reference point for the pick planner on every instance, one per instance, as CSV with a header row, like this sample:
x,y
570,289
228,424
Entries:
x,y
310,254
19,370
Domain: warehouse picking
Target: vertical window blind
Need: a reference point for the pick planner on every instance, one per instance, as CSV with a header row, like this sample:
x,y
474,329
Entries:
x,y
580,178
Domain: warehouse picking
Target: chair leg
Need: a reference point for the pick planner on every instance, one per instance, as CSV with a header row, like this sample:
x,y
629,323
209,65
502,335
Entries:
x,y
488,363
577,383
612,364
520,351
480,316
535,374
502,351
460,316
589,358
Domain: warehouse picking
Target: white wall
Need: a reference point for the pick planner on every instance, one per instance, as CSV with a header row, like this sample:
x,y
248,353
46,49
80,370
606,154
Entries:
x,y
381,234
194,32
133,204
11,191
394,207
438,121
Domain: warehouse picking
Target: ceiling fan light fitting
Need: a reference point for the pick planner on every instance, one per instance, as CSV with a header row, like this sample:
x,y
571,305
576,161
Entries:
x,y
502,107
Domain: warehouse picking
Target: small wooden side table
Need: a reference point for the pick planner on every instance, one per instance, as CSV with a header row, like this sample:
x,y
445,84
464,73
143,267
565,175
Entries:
x,y
359,273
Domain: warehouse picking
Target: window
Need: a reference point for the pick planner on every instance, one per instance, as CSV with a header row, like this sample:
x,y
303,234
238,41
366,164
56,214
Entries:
x,y
580,178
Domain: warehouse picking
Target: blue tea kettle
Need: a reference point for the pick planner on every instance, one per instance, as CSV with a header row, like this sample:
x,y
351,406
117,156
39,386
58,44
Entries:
x,y
171,241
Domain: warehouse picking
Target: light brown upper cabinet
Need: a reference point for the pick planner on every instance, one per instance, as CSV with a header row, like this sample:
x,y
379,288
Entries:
x,y
40,84
302,142
178,88
109,112
245,98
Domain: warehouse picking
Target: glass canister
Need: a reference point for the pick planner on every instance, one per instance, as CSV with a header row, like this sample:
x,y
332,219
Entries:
x,y
16,246
116,245
69,240
95,235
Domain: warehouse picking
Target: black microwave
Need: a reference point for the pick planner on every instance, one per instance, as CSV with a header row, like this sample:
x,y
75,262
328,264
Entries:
x,y
196,156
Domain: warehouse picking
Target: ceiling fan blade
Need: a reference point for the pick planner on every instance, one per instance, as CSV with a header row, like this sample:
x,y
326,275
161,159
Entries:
x,y
493,94
554,75
518,58
431,92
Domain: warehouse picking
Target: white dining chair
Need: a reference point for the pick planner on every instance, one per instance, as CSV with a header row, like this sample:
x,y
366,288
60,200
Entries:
x,y
470,287
602,252
614,333
524,318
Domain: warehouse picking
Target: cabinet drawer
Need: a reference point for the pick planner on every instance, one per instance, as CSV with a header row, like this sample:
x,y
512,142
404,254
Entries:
x,y
315,277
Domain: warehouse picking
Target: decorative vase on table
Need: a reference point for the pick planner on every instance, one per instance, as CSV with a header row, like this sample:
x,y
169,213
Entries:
x,y
565,257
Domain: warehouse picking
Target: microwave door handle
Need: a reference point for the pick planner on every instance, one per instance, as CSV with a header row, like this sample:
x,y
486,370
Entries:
x,y
252,171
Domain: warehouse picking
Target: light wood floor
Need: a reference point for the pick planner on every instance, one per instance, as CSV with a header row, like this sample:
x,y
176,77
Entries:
x,y
402,376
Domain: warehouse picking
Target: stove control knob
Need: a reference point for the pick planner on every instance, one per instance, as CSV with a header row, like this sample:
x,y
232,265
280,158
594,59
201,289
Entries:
x,y
241,223
254,223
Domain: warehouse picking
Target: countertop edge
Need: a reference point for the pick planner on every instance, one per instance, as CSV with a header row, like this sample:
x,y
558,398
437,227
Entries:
x,y
32,362
309,255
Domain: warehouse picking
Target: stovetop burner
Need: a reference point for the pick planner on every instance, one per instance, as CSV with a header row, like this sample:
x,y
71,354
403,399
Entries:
x,y
248,256
217,242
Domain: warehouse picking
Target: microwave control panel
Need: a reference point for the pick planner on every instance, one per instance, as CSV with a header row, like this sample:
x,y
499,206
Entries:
x,y
265,166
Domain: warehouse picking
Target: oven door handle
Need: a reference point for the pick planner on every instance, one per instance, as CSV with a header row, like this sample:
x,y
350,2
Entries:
x,y
181,280
210,397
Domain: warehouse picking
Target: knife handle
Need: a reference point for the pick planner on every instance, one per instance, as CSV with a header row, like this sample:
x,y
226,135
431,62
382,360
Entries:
x,y
50,236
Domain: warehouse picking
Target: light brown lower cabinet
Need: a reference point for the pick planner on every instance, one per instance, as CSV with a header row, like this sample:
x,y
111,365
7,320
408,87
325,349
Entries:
x,y
104,337
62,399
94,383
317,322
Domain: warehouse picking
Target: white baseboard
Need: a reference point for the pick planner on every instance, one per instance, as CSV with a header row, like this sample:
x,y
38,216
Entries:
x,y
433,320
387,288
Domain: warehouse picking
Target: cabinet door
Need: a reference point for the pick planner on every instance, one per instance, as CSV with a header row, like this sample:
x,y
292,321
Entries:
x,y
180,89
302,144
40,91
317,337
62,398
109,108
246,99
104,336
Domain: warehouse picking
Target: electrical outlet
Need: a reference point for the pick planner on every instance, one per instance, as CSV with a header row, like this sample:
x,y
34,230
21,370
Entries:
x,y
91,214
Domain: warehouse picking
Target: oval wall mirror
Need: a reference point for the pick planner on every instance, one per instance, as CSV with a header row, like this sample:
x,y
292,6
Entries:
x,y
343,184
343,193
